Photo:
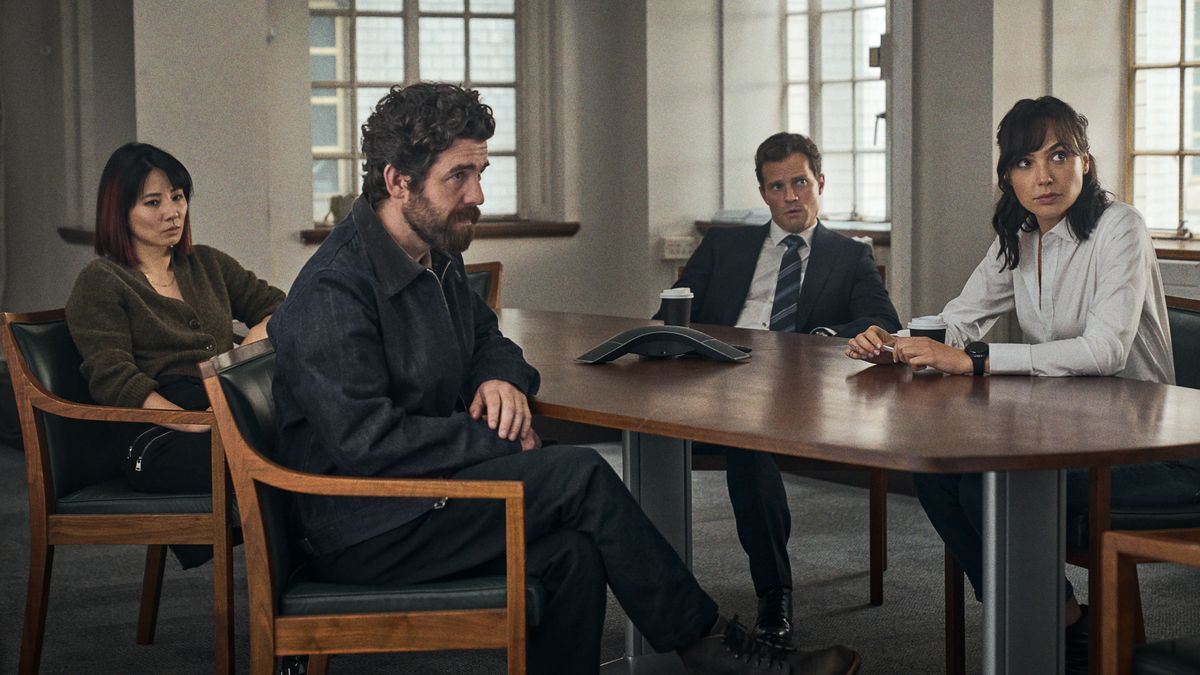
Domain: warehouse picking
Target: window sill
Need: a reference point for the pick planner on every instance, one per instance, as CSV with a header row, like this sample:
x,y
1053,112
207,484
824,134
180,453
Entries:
x,y
485,229
880,233
77,235
1177,249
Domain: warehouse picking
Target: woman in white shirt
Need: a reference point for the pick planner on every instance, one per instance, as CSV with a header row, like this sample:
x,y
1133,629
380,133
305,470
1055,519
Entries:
x,y
1080,271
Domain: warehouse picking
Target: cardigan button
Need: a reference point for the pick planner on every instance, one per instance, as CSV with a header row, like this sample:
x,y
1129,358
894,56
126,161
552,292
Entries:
x,y
208,347
194,324
440,504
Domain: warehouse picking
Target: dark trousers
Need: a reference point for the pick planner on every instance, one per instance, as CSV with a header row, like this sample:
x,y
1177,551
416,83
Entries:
x,y
954,504
583,530
760,510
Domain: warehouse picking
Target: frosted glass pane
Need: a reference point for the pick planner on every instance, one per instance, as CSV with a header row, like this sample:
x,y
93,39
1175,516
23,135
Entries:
x,y
1156,33
1156,110
837,118
380,6
1156,190
838,199
328,4
330,112
871,186
492,6
327,55
366,100
836,56
1191,193
870,100
380,49
797,48
503,101
797,108
869,25
500,187
1191,111
321,32
797,5
834,4
443,49
1191,41
330,177
440,5
493,50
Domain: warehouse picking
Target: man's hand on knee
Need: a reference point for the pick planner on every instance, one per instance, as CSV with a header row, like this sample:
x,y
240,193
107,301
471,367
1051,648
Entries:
x,y
506,407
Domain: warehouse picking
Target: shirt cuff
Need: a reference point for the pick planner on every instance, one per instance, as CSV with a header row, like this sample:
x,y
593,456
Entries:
x,y
1010,359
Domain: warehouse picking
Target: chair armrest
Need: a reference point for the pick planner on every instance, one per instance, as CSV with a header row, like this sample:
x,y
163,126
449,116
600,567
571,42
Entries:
x,y
351,486
47,402
1176,546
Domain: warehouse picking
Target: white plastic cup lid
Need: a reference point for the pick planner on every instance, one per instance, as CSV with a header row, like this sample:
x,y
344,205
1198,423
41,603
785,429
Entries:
x,y
683,292
933,322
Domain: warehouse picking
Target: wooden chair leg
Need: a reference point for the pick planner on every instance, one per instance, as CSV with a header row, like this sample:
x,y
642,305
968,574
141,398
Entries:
x,y
956,657
223,605
41,560
878,526
1135,604
1119,592
152,578
318,664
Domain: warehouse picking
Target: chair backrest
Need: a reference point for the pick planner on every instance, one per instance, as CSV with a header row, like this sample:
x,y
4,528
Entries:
x,y
246,375
1185,341
485,279
78,452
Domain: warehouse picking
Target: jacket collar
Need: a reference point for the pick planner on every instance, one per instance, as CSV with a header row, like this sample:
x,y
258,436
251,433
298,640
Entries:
x,y
393,268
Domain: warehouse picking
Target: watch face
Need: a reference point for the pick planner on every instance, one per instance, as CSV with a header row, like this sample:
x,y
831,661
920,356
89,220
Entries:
x,y
976,349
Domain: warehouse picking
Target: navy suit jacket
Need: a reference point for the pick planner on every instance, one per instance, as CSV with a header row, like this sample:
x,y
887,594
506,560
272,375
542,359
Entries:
x,y
842,289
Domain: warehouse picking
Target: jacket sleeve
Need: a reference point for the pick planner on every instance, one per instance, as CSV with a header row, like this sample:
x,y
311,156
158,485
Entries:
x,y
333,362
869,301
496,357
100,327
250,299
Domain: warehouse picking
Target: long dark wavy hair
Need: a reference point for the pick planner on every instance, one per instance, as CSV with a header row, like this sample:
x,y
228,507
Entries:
x,y
412,125
1022,131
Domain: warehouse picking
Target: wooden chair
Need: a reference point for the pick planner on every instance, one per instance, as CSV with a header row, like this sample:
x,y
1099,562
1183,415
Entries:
x,y
292,615
1120,554
76,495
1084,533
485,279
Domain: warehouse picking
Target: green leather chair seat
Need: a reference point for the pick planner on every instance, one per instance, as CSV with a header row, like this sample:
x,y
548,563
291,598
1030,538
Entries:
x,y
1169,657
312,597
113,497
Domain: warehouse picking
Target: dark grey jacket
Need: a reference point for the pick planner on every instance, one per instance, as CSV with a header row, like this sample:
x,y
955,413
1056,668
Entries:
x,y
377,360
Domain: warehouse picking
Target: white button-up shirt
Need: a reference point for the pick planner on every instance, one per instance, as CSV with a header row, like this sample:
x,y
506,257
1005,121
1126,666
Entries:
x,y
1098,309
756,312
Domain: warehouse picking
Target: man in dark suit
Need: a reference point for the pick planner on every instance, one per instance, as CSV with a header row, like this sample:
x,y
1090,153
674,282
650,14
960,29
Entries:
x,y
791,274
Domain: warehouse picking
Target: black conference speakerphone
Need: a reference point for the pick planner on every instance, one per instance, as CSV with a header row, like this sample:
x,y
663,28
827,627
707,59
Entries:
x,y
663,342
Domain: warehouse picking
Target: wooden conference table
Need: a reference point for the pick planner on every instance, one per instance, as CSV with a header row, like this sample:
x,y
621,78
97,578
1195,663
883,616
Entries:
x,y
799,395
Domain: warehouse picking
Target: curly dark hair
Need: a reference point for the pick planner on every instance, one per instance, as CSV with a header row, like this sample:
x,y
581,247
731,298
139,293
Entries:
x,y
782,145
412,125
1022,131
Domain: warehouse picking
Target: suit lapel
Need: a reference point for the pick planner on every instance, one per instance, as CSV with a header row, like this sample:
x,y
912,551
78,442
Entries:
x,y
816,273
743,258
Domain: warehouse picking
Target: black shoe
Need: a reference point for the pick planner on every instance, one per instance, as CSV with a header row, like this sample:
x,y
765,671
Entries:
x,y
1076,645
730,649
293,665
775,616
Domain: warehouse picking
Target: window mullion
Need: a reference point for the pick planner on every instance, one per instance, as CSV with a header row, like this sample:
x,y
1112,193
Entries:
x,y
412,42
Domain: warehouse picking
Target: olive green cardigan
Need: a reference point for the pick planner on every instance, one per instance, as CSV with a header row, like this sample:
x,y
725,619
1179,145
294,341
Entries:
x,y
131,337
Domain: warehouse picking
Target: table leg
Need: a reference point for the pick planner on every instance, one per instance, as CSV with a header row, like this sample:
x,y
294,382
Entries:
x,y
1024,547
658,472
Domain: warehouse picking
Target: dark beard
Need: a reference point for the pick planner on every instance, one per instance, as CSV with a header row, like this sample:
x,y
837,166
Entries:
x,y
449,234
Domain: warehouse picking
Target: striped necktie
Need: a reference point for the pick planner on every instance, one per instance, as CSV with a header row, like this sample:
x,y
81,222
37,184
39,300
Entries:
x,y
787,288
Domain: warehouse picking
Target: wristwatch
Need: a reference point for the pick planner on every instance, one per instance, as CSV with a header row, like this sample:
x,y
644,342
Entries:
x,y
978,351
822,330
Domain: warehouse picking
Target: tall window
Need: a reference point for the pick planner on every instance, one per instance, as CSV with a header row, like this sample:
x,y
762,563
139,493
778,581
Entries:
x,y
835,96
360,48
1164,162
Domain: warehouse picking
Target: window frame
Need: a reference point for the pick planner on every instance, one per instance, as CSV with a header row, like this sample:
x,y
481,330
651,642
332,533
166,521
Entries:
x,y
411,15
814,81
1181,153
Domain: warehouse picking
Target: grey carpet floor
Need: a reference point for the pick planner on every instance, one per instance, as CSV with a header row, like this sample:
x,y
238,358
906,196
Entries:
x,y
93,600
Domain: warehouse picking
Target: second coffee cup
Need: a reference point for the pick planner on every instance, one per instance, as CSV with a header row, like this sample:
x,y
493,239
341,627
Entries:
x,y
676,308
928,326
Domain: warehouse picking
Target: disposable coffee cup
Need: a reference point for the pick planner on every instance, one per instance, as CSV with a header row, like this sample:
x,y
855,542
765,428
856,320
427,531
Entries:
x,y
928,326
676,307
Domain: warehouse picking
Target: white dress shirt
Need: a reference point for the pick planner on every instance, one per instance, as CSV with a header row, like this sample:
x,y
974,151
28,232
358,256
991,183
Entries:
x,y
1099,309
756,312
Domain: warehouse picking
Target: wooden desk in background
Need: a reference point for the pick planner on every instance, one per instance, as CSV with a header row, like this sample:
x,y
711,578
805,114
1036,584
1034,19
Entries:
x,y
799,395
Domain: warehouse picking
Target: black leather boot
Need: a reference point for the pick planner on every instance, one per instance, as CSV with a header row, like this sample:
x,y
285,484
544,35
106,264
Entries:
x,y
775,616
730,649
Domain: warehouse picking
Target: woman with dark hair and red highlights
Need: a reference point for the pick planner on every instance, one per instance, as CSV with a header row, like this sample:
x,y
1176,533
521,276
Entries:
x,y
1079,270
152,306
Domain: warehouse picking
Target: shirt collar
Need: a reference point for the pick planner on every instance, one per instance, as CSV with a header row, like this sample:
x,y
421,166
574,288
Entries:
x,y
1062,230
776,234
393,268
